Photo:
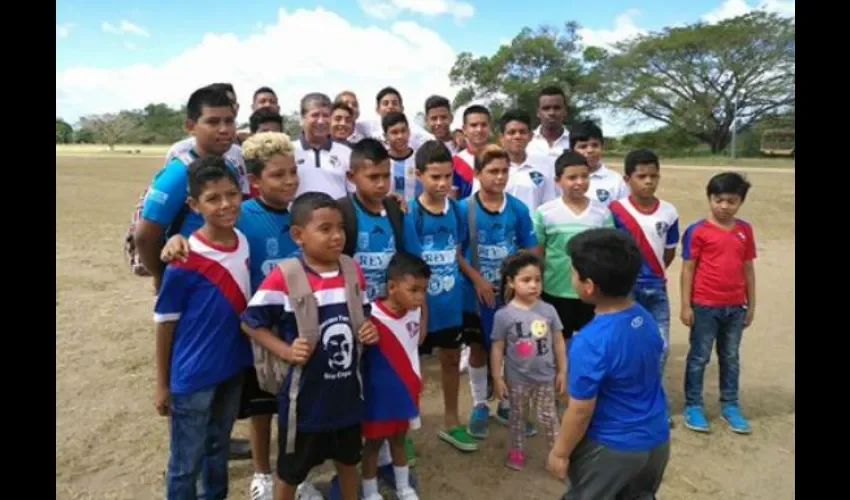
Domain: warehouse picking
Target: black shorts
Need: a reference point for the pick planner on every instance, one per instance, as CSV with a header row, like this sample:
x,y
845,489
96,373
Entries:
x,y
447,338
573,313
472,329
255,401
314,448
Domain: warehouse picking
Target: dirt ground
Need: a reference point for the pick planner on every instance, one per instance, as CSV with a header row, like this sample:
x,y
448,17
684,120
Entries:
x,y
111,444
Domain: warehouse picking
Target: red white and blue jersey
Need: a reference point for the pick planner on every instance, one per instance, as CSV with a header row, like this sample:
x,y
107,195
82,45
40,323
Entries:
x,y
329,396
205,296
653,230
464,174
392,380
720,255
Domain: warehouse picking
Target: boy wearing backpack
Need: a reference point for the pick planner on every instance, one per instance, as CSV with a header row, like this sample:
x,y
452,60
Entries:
x,y
307,323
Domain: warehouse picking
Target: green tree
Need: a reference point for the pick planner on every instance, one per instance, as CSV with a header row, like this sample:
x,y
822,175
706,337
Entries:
x,y
690,77
110,128
64,132
292,124
515,73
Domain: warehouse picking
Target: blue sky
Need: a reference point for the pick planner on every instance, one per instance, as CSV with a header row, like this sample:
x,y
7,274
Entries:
x,y
116,54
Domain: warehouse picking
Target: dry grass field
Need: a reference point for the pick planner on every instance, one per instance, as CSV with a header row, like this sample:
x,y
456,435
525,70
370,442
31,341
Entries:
x,y
110,443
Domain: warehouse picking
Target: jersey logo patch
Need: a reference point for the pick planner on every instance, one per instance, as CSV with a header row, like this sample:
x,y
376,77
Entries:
x,y
603,195
272,247
536,177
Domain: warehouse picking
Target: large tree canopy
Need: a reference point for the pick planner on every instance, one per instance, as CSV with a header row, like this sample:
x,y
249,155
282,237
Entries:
x,y
690,77
515,73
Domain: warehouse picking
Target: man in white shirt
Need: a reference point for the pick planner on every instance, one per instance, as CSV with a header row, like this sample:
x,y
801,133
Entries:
x,y
551,138
388,100
606,185
322,162
438,120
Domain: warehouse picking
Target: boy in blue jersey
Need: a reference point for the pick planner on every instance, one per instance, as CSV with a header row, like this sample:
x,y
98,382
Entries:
x,y
210,119
265,222
502,227
397,132
201,354
329,407
614,440
439,224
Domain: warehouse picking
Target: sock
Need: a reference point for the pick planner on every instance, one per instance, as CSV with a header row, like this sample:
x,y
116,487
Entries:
x,y
478,384
370,487
384,455
402,479
505,403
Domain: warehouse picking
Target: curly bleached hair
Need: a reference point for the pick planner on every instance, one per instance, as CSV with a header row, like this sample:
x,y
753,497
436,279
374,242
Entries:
x,y
261,147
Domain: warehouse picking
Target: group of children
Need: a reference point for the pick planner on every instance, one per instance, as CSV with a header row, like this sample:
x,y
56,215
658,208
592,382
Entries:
x,y
576,280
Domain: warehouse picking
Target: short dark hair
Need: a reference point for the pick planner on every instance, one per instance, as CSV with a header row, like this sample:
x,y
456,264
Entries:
x,y
608,257
551,90
514,115
210,96
405,264
568,159
305,204
208,169
312,97
343,106
393,118
227,87
264,115
386,91
512,265
264,90
639,157
728,183
585,131
475,109
432,151
368,149
437,101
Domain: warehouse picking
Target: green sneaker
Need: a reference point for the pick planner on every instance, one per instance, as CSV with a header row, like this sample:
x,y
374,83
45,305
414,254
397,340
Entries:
x,y
459,437
409,452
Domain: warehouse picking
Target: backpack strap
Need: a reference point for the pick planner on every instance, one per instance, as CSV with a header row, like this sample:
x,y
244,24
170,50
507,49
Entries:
x,y
396,217
306,310
473,233
354,300
186,157
349,222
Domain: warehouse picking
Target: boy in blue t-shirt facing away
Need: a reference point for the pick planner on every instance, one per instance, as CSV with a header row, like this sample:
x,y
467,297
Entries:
x,y
614,434
329,406
439,224
201,354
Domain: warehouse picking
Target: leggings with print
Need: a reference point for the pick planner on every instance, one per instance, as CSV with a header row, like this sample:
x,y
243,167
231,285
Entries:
x,y
523,396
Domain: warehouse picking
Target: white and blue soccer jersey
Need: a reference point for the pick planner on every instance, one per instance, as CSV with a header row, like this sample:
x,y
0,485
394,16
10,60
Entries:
x,y
232,156
653,232
267,230
404,181
376,245
500,234
167,196
323,170
532,181
440,235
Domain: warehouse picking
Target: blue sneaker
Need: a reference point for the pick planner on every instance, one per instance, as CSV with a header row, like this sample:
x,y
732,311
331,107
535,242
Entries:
x,y
731,413
478,421
386,478
695,419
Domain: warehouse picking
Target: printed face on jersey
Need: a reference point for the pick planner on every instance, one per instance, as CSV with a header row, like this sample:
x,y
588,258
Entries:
x,y
316,121
372,180
476,129
526,284
398,137
342,124
724,206
494,176
590,149
213,130
265,100
278,181
575,180
338,343
551,111
323,237
436,179
438,121
644,180
515,137
388,104
408,292
218,203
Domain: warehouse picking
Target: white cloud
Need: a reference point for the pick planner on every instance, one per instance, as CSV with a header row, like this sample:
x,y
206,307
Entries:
x,y
390,9
63,30
734,8
124,27
624,28
283,56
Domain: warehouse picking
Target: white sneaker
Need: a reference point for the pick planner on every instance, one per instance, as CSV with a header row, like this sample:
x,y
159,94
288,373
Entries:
x,y
262,486
407,493
308,491
374,496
